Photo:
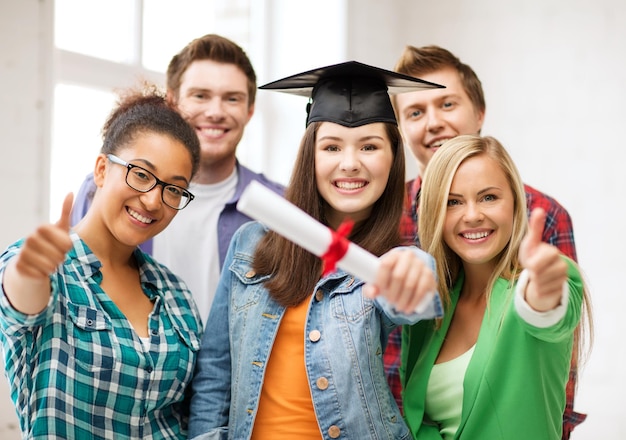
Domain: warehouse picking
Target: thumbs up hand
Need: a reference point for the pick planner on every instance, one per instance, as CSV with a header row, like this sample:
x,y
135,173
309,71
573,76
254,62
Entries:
x,y
45,248
547,270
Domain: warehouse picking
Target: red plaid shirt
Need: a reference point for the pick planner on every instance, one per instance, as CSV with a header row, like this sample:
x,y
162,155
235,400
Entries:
x,y
558,231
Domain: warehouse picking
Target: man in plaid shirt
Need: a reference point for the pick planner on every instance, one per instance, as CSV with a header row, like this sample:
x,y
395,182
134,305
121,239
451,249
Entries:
x,y
427,119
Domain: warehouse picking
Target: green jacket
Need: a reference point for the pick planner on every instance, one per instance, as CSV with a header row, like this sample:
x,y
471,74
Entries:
x,y
514,386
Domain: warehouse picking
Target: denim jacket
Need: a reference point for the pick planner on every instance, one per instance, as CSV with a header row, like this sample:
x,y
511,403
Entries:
x,y
244,320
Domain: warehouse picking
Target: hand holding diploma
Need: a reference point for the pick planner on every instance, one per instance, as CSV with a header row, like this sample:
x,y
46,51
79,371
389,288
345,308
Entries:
x,y
400,276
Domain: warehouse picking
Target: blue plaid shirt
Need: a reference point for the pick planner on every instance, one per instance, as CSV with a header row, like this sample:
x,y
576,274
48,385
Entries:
x,y
79,370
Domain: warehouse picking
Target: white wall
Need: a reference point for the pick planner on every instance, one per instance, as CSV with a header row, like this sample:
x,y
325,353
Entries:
x,y
25,119
552,72
553,77
24,123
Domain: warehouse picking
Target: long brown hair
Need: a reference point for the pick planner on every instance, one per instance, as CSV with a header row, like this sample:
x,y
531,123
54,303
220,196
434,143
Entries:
x,y
295,270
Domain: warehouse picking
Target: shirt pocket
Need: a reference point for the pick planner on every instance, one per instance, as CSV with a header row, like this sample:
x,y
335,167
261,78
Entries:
x,y
247,288
92,338
348,303
182,353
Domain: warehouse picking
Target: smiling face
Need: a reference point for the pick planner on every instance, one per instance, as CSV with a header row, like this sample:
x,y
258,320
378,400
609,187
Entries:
x,y
479,218
352,168
130,216
430,117
213,97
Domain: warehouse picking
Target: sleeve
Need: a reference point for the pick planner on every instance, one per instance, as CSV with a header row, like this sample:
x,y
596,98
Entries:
x,y
560,323
83,199
533,317
558,230
211,386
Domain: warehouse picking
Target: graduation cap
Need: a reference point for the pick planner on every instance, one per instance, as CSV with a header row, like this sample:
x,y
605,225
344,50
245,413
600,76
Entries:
x,y
351,93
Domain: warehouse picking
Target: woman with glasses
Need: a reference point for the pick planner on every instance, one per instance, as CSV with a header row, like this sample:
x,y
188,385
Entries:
x,y
100,340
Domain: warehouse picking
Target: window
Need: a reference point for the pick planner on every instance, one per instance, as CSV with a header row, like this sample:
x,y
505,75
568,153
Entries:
x,y
105,45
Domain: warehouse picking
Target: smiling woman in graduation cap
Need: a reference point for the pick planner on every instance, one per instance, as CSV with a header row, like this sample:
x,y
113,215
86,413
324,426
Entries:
x,y
293,350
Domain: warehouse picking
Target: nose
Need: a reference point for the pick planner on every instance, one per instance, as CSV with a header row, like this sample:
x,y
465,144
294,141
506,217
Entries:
x,y
152,199
433,120
472,213
214,108
349,161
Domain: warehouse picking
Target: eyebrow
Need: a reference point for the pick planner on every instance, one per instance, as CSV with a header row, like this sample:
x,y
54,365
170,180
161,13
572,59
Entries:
x,y
482,191
337,138
152,169
193,90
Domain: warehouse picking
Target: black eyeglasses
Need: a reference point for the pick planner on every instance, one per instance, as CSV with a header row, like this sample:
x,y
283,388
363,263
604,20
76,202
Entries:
x,y
143,181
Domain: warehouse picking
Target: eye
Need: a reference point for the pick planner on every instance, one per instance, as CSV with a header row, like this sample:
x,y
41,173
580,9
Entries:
x,y
141,174
235,99
453,202
331,148
490,198
174,191
415,114
369,147
448,105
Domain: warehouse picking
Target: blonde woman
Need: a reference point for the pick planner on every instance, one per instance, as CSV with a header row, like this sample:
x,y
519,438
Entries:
x,y
496,365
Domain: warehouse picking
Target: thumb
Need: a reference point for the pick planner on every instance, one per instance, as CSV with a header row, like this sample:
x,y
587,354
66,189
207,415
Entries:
x,y
536,224
64,222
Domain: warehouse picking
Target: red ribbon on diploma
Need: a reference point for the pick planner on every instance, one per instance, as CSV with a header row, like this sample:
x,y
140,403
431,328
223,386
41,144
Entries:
x,y
338,247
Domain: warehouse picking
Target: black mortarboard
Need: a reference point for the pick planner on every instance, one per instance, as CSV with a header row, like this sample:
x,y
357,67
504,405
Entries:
x,y
351,93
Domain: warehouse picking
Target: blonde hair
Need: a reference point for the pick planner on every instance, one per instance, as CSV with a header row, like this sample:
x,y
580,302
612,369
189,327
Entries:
x,y
436,185
435,189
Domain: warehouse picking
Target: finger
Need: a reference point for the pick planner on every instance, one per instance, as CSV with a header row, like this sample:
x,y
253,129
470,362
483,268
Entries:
x,y
532,240
370,291
427,288
536,224
383,274
406,287
399,286
65,221
42,252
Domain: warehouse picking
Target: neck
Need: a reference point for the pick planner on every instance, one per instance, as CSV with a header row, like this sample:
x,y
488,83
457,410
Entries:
x,y
215,172
476,280
107,249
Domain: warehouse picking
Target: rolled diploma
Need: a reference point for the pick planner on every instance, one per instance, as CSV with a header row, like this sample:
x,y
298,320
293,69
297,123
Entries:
x,y
286,219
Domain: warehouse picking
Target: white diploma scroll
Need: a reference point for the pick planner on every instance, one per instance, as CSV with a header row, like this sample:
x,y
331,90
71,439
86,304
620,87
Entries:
x,y
286,219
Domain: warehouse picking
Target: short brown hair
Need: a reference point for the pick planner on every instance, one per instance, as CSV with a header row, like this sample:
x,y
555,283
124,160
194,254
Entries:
x,y
418,61
215,48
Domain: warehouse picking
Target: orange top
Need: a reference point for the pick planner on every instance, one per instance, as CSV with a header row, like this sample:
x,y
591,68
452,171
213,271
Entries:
x,y
285,406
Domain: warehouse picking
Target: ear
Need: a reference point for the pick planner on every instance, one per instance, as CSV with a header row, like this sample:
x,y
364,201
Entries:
x,y
99,171
481,119
250,113
170,97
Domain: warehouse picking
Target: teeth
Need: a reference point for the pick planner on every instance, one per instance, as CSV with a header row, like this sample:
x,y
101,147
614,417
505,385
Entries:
x,y
437,143
140,217
212,131
350,185
476,235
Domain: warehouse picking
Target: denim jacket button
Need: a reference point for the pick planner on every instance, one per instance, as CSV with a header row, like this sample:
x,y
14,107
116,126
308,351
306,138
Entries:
x,y
334,431
314,335
319,295
322,383
250,274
